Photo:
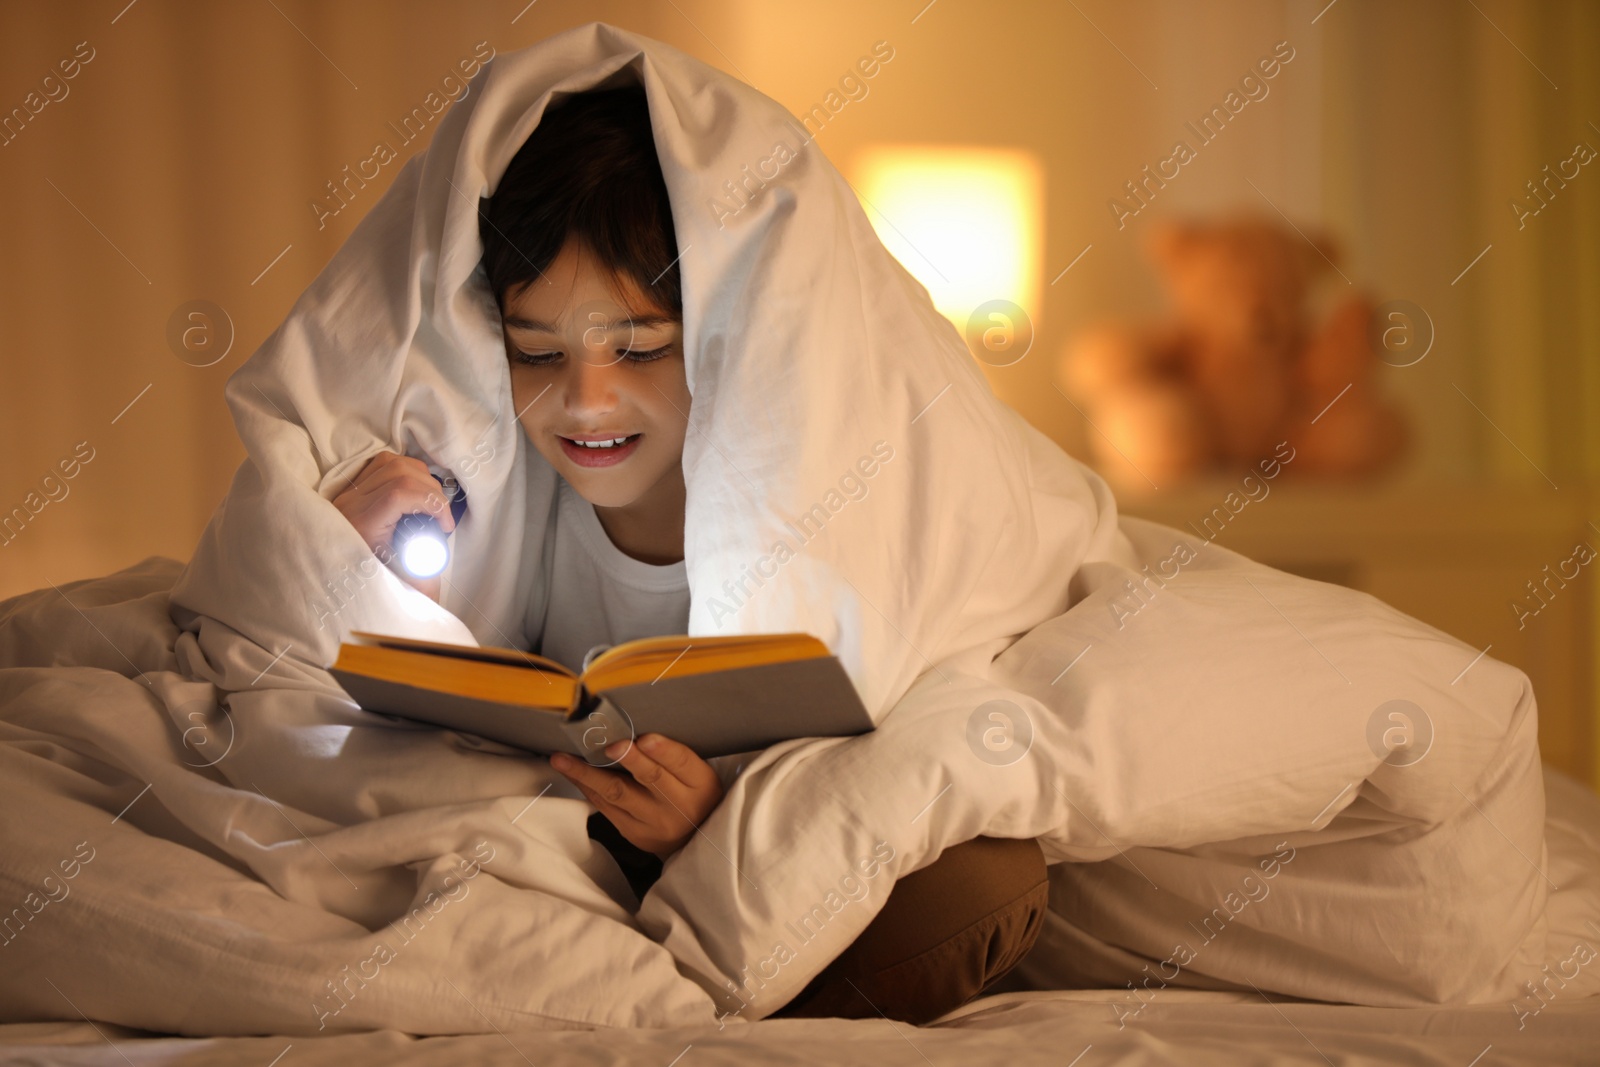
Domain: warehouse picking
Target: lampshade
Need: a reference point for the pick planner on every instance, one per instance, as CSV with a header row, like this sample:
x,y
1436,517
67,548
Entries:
x,y
967,222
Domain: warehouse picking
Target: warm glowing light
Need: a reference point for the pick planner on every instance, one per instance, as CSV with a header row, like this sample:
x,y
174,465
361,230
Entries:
x,y
966,222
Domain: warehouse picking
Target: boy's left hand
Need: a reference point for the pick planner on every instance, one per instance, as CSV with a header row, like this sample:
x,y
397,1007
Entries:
x,y
666,794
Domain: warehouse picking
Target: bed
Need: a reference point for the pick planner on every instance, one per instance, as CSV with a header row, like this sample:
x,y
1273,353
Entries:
x,y
1074,1028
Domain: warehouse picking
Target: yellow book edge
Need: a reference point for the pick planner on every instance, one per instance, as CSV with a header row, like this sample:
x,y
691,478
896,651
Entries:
x,y
502,675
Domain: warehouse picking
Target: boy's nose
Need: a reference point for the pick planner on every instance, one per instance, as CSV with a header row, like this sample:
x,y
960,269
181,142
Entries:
x,y
591,385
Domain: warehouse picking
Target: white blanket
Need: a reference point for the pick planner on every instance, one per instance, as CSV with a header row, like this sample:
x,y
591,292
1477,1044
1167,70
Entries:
x,y
1560,1027
249,852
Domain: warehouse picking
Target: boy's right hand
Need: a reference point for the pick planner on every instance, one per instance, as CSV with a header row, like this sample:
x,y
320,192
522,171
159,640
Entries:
x,y
389,487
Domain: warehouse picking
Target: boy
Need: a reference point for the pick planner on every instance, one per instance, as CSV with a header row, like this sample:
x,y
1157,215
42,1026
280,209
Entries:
x,y
580,252
607,405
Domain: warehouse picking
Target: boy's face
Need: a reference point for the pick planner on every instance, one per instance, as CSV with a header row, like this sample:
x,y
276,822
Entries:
x,y
585,367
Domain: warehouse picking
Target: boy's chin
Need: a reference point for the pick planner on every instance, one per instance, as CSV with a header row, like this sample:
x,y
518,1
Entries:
x,y
604,488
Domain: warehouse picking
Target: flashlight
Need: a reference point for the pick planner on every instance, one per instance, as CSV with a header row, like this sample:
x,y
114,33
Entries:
x,y
420,541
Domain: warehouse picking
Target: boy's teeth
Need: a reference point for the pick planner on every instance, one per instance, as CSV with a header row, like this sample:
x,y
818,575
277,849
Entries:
x,y
613,443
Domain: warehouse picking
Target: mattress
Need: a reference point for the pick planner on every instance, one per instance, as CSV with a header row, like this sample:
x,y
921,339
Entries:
x,y
1557,1024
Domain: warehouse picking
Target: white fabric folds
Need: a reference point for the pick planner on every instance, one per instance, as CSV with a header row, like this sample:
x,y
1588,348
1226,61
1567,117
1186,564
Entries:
x,y
267,858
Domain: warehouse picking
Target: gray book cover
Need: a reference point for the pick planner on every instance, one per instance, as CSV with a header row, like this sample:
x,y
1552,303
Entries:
x,y
716,714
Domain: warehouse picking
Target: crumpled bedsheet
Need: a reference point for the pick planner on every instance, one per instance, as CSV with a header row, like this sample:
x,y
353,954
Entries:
x,y
1166,768
1561,1026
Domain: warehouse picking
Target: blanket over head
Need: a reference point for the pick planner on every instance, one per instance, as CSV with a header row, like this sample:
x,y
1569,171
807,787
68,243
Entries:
x,y
849,473
299,864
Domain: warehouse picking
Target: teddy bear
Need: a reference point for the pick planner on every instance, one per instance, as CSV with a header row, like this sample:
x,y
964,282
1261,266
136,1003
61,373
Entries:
x,y
1238,367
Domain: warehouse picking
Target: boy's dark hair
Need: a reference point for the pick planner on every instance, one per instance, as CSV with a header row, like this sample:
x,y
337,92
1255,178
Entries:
x,y
589,170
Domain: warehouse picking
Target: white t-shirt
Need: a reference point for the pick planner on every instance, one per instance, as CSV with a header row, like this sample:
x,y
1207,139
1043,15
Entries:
x,y
598,594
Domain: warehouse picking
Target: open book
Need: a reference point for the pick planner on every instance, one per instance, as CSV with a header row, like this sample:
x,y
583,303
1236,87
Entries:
x,y
718,695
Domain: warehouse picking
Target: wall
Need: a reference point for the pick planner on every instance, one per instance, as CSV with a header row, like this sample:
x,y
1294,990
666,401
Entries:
x,y
183,163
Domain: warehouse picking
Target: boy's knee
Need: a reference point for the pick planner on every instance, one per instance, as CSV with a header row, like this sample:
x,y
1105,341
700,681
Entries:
x,y
945,934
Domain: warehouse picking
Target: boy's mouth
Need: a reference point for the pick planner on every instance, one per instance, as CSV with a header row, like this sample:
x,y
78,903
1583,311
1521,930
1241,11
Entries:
x,y
592,450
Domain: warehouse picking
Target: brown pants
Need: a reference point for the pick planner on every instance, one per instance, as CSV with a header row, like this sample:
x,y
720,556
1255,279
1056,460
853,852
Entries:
x,y
945,934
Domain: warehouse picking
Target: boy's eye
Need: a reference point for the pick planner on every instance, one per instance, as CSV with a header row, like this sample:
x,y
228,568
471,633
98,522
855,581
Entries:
x,y
544,359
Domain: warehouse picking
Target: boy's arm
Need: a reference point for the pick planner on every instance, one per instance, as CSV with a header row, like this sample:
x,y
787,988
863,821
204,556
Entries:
x,y
667,792
639,867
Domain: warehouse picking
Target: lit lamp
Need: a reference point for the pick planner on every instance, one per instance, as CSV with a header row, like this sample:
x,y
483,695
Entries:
x,y
967,224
